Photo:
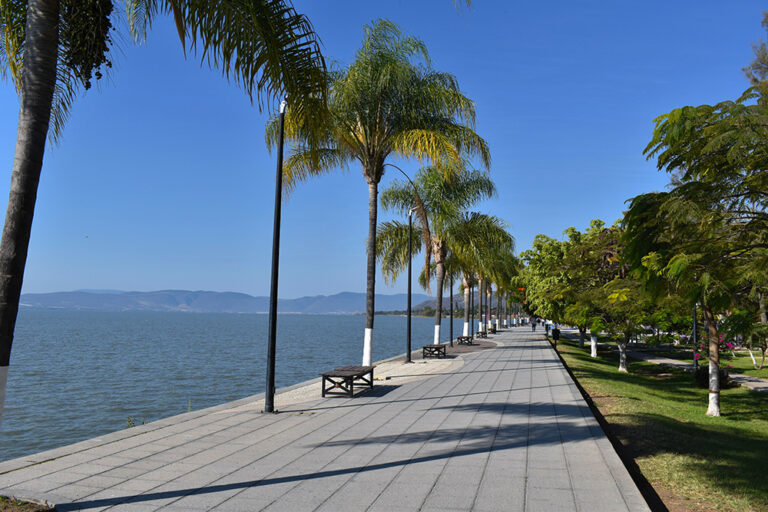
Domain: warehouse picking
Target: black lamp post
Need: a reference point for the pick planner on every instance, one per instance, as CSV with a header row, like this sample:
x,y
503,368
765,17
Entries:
x,y
410,253
269,399
450,329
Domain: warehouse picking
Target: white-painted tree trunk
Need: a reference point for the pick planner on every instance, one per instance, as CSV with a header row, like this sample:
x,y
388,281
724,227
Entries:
x,y
714,389
754,361
479,326
593,345
437,335
622,357
367,347
497,324
3,382
466,329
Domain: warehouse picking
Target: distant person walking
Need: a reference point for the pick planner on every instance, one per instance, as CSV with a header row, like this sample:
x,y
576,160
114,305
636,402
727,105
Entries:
x,y
556,334
533,324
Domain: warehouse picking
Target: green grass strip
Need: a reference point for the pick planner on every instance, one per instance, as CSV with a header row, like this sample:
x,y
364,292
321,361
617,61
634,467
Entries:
x,y
694,462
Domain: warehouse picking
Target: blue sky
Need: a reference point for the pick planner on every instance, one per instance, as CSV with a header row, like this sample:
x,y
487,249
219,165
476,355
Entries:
x,y
162,179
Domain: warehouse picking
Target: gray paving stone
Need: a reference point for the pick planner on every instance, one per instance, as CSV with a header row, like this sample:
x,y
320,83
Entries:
x,y
549,478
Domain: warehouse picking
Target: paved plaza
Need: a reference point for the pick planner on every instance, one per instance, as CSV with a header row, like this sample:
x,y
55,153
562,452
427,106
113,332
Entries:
x,y
503,429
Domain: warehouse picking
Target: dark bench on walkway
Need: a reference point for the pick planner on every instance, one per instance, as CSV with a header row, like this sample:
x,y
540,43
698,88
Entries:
x,y
433,350
480,334
464,340
344,378
492,329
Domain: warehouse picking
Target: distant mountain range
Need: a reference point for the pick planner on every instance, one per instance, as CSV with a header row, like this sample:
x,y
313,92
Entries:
x,y
211,302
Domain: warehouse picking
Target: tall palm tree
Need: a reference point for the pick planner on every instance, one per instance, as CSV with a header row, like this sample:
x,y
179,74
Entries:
x,y
53,48
442,202
387,103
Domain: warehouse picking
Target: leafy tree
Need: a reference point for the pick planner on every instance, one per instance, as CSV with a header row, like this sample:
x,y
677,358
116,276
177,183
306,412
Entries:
x,y
53,48
672,238
709,234
624,309
586,266
384,105
757,71
543,277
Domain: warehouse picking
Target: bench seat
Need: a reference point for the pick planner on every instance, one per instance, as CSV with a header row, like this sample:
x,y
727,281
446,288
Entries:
x,y
433,350
344,378
464,340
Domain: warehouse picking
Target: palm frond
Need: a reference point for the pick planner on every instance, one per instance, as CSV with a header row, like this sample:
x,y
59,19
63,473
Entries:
x,y
305,163
13,19
265,47
392,248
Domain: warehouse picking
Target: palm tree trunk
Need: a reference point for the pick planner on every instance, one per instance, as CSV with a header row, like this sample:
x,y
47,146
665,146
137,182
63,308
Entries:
x,y
370,282
439,277
472,309
714,362
490,305
39,81
467,291
501,317
480,293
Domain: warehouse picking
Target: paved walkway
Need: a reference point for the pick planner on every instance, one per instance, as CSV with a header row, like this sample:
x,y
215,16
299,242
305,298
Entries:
x,y
508,430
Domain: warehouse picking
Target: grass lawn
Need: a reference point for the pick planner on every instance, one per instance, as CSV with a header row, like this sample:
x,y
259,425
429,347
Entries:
x,y
694,462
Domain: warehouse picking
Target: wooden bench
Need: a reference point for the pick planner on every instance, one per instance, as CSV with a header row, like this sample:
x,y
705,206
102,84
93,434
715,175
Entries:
x,y
464,340
492,329
433,350
344,379
480,334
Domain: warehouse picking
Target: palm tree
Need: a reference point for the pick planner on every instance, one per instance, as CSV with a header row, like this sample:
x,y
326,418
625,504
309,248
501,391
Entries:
x,y
53,48
502,268
383,105
441,202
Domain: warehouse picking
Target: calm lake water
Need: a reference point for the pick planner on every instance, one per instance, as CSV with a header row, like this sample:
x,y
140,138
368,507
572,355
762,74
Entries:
x,y
76,375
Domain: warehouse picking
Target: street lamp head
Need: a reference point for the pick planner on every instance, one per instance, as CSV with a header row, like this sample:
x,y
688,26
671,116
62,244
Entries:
x,y
410,212
283,105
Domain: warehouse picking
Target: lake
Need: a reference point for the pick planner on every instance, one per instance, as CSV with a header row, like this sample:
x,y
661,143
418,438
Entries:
x,y
76,375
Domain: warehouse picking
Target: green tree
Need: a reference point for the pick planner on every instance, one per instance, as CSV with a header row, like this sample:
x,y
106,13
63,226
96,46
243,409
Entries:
x,y
543,277
671,238
384,105
53,48
623,311
708,235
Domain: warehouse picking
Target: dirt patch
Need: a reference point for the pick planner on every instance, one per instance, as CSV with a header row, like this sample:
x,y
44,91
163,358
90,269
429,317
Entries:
x,y
675,503
14,505
657,374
